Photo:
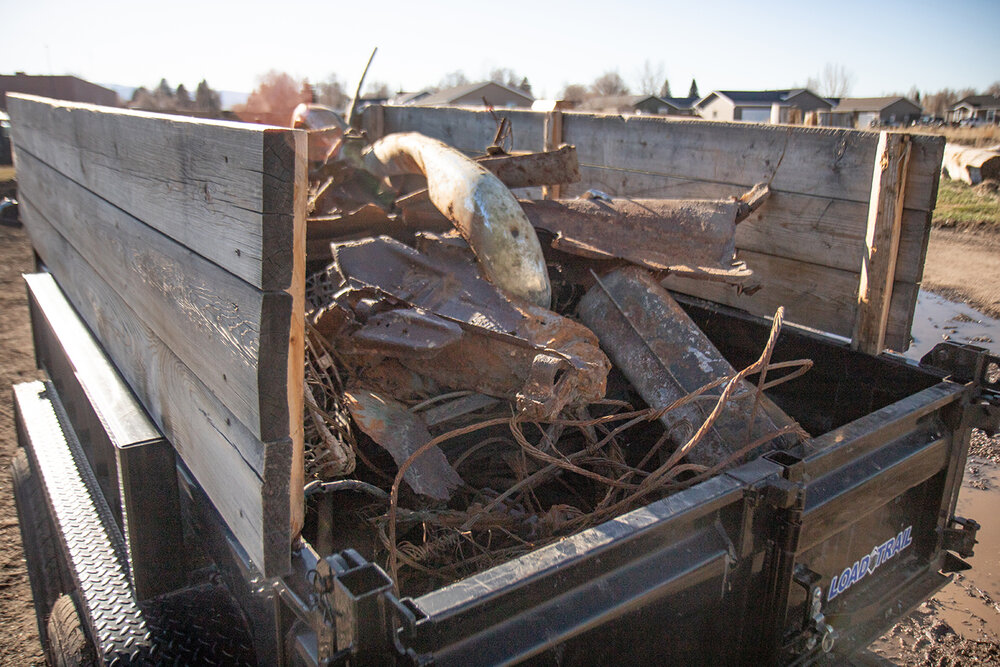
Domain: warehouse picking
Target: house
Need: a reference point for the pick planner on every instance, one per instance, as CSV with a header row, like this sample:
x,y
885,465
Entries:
x,y
682,106
58,87
472,95
761,106
862,112
639,104
403,98
979,107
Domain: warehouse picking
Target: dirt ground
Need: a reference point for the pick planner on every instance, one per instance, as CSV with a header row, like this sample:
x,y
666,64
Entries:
x,y
18,632
963,268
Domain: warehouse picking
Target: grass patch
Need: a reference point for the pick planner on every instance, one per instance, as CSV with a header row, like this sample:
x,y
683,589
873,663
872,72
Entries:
x,y
6,173
967,207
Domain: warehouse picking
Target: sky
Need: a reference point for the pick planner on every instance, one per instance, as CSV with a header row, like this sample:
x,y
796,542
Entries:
x,y
889,46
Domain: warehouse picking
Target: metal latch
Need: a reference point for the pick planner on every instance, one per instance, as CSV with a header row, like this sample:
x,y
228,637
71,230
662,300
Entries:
x,y
815,629
960,536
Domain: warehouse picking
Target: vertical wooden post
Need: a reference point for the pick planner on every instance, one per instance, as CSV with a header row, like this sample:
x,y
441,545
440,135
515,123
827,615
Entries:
x,y
553,139
878,266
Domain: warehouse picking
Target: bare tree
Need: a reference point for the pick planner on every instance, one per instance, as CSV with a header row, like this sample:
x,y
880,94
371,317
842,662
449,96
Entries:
x,y
272,102
835,81
574,92
377,89
994,89
609,84
331,93
452,79
651,77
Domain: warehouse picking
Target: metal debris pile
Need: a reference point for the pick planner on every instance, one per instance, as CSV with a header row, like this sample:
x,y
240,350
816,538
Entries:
x,y
485,375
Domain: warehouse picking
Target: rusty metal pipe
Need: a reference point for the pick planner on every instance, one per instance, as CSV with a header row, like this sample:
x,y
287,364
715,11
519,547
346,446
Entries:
x,y
482,209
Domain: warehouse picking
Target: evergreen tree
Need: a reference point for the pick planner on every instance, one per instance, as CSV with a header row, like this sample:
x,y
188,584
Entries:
x,y
693,91
665,89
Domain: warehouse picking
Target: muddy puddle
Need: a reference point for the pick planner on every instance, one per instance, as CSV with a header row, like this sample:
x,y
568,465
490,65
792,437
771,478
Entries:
x,y
938,319
971,603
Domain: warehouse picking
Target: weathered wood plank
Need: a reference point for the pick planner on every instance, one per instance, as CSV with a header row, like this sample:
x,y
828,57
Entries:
x,y
878,268
213,186
230,334
247,480
551,141
469,130
827,232
816,296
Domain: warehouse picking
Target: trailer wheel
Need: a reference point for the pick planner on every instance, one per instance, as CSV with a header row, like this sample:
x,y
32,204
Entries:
x,y
38,538
68,644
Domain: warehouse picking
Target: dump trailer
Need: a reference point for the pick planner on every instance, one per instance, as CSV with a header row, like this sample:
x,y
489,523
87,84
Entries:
x,y
161,487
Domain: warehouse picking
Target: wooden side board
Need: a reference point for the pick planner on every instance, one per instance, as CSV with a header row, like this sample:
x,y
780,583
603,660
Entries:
x,y
469,130
224,329
815,225
192,275
225,190
247,480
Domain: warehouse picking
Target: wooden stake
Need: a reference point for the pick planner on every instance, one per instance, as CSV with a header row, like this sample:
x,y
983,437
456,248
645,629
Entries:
x,y
878,267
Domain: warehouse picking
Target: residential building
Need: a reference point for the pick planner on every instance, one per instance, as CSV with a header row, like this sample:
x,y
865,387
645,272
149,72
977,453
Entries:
x,y
761,106
473,94
979,107
58,87
862,112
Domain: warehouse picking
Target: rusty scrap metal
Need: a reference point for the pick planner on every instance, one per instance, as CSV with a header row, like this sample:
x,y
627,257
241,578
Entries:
x,y
690,237
526,170
502,337
401,433
481,207
666,356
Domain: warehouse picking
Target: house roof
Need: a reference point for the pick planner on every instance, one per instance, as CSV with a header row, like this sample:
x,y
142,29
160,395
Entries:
x,y
978,101
614,101
680,102
869,103
758,97
449,95
407,98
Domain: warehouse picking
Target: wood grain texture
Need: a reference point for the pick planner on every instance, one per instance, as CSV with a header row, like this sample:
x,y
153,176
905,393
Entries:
x,y
468,130
247,480
553,138
230,334
827,232
815,296
213,186
878,267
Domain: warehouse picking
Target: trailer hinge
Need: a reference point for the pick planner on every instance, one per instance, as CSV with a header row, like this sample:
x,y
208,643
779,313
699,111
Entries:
x,y
965,363
960,536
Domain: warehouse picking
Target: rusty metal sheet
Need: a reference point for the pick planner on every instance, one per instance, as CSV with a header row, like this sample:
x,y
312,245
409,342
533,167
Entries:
x,y
478,204
407,331
501,337
690,237
528,170
402,433
666,356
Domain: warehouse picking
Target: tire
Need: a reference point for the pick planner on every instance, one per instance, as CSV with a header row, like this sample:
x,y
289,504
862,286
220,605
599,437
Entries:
x,y
41,552
68,643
